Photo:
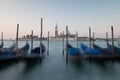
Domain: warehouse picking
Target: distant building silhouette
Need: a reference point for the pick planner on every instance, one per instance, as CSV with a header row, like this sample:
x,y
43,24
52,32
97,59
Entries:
x,y
60,36
29,36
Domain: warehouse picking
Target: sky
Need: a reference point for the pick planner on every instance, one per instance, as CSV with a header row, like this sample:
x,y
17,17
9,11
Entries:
x,y
78,15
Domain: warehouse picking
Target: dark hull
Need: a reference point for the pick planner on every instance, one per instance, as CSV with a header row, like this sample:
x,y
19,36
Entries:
x,y
32,57
9,59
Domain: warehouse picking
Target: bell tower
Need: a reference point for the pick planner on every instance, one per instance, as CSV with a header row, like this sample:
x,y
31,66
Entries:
x,y
56,31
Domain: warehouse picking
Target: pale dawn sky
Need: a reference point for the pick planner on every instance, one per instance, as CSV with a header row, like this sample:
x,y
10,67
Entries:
x,y
100,15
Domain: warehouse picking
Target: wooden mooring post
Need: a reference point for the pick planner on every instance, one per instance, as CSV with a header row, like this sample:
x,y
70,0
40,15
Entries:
x,y
107,39
63,43
17,33
41,37
77,38
93,39
66,44
31,40
112,32
2,38
48,44
90,41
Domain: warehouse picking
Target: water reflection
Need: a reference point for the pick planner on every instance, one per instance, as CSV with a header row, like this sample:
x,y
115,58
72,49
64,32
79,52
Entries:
x,y
31,64
54,67
6,64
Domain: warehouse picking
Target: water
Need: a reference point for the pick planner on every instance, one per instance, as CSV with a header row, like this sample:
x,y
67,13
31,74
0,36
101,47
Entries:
x,y
54,67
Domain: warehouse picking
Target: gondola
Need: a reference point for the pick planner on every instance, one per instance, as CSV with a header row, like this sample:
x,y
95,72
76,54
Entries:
x,y
6,54
97,53
109,50
24,50
116,49
105,51
74,53
35,53
9,54
86,50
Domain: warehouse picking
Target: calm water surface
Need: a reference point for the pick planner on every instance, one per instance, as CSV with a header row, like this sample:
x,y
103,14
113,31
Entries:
x,y
54,67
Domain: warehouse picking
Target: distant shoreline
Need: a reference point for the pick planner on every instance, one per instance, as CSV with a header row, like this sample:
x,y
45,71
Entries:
x,y
58,40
